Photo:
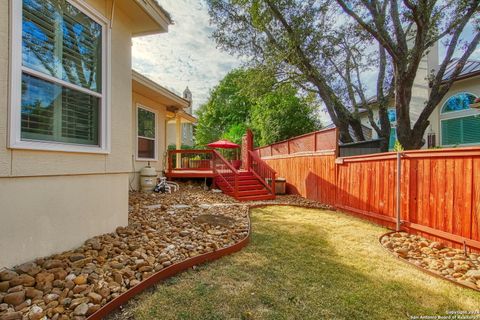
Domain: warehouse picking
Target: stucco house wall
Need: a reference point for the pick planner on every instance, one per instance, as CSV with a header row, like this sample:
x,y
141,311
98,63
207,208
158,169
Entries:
x,y
52,201
161,117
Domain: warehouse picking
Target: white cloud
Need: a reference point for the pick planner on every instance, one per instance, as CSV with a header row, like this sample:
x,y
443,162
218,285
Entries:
x,y
186,55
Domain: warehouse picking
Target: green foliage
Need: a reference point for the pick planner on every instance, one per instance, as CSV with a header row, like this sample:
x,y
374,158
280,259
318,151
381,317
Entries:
x,y
281,115
227,106
397,147
183,147
254,98
235,133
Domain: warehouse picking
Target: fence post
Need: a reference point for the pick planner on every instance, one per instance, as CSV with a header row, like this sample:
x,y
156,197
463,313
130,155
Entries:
x,y
399,190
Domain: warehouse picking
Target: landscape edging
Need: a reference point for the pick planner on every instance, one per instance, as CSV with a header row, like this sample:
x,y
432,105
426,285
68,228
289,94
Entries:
x,y
436,275
169,272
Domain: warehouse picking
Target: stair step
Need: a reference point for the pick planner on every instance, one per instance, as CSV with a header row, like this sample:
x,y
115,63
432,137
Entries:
x,y
251,187
257,198
260,192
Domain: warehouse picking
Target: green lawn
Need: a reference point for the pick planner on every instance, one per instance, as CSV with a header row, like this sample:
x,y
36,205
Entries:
x,y
305,264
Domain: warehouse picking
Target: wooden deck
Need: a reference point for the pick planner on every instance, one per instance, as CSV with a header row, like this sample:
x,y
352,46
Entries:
x,y
190,174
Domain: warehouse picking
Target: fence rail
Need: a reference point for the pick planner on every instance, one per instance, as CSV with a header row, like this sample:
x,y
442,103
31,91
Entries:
x,y
439,194
308,143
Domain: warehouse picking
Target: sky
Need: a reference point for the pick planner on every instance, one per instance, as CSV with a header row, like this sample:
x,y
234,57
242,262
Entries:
x,y
186,55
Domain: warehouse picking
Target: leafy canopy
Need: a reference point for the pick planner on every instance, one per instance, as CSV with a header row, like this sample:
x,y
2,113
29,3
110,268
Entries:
x,y
254,98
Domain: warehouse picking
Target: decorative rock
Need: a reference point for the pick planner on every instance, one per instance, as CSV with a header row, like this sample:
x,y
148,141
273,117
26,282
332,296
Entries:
x,y
92,309
76,256
7,275
33,293
184,233
11,316
50,264
95,297
435,257
473,274
81,310
30,268
23,279
4,285
436,245
81,279
50,297
14,298
74,284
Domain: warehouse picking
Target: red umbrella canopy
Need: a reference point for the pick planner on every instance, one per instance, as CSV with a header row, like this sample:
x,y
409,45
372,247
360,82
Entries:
x,y
223,144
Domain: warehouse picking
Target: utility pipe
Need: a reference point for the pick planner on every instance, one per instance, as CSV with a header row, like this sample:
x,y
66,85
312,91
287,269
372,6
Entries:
x,y
399,175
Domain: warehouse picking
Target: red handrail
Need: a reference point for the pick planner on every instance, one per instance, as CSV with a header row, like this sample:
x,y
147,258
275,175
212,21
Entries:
x,y
262,171
188,162
225,172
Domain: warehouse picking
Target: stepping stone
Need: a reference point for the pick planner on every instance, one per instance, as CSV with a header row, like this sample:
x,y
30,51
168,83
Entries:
x,y
181,206
153,206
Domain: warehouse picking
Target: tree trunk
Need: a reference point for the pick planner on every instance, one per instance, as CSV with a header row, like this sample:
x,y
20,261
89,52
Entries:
x,y
357,129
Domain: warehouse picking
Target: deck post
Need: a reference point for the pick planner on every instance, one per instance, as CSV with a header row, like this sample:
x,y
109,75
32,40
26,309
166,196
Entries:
x,y
178,127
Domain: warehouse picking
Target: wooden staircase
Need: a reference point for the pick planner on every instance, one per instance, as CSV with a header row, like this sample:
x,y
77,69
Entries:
x,y
254,184
250,188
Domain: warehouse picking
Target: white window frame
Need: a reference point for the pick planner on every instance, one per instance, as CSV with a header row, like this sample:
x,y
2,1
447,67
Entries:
x,y
445,116
140,106
15,75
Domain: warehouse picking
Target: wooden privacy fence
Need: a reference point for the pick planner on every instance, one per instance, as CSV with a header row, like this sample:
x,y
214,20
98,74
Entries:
x,y
439,189
308,143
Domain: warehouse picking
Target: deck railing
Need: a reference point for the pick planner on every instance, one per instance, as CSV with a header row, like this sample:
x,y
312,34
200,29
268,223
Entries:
x,y
190,160
262,171
225,173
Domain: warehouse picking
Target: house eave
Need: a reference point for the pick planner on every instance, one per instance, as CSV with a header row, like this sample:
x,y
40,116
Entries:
x,y
171,99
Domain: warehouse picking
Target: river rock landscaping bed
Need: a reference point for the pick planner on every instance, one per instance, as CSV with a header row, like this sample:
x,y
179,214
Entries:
x,y
163,229
75,284
433,256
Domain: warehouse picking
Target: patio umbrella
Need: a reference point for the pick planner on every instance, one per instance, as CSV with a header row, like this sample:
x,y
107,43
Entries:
x,y
224,144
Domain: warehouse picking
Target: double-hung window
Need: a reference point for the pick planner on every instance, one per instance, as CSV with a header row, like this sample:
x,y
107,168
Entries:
x,y
146,134
59,76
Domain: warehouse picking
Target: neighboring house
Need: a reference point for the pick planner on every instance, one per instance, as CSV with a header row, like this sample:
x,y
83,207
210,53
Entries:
x,y
187,122
453,122
154,107
66,119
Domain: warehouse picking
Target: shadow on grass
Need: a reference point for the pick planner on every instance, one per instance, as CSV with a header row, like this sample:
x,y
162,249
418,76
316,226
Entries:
x,y
295,269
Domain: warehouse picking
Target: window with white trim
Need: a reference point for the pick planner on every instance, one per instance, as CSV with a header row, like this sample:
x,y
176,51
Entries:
x,y
58,76
146,134
459,124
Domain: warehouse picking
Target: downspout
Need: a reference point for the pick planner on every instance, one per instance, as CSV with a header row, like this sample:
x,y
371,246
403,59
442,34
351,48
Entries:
x,y
399,190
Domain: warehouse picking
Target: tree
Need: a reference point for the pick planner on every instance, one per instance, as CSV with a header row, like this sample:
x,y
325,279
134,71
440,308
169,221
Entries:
x,y
254,98
306,45
281,115
407,30
227,106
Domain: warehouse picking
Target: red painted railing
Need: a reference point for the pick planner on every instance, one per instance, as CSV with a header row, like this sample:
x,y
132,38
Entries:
x,y
190,160
262,171
226,174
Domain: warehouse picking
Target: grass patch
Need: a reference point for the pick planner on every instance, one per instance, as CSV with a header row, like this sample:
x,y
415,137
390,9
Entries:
x,y
305,264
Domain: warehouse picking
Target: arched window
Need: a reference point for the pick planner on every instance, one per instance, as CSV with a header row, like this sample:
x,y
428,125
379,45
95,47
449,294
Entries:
x,y
459,124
